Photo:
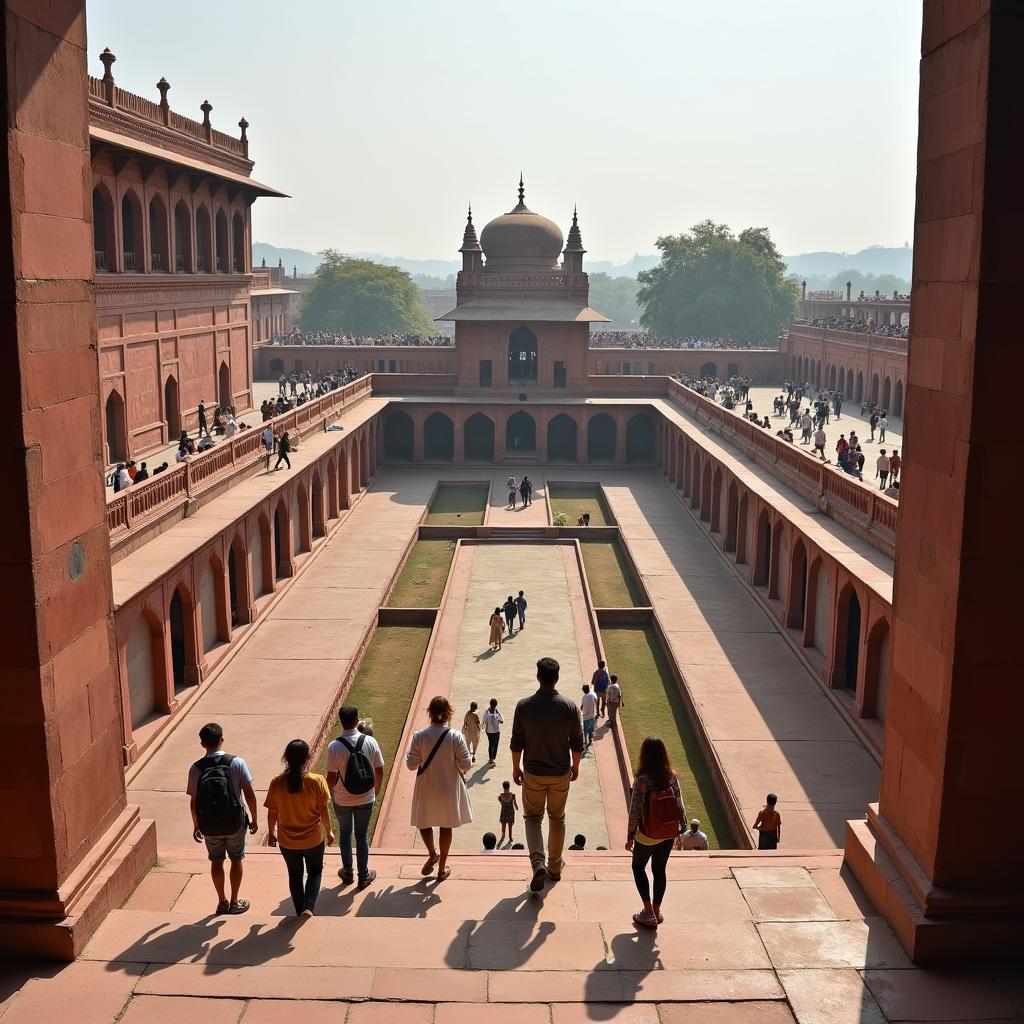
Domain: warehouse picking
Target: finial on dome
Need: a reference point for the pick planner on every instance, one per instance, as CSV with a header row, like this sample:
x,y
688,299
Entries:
x,y
469,239
522,190
574,245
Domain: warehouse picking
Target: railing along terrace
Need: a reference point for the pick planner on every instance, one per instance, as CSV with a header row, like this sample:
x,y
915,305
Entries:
x,y
830,487
189,479
856,339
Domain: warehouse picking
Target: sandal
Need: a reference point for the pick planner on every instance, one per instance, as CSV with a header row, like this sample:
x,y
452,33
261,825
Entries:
x,y
429,866
645,920
223,907
442,875
238,907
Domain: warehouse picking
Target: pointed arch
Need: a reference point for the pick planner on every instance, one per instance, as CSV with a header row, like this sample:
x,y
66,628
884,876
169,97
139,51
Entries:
x,y
562,432
478,437
317,505
897,401
220,242
846,643
742,520
640,438
204,240
183,249
332,488
520,433
239,254
115,430
132,232
522,356
213,611
716,501
762,549
240,596
146,668
398,436
705,491
103,231
886,394
876,670
731,516
439,437
159,249
601,432
184,640
774,567
796,592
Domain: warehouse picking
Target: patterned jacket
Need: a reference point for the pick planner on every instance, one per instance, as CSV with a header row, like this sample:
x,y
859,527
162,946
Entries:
x,y
638,803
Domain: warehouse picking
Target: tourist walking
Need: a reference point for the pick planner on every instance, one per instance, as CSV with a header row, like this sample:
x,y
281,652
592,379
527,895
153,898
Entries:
x,y
656,816
203,428
439,756
588,713
297,822
509,806
510,485
614,700
883,424
217,782
599,681
492,726
547,743
284,446
471,729
355,774
882,469
521,609
509,608
768,825
526,490
497,624
894,465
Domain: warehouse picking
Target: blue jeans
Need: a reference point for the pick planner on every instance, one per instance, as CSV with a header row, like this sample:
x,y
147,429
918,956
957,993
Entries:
x,y
312,860
357,818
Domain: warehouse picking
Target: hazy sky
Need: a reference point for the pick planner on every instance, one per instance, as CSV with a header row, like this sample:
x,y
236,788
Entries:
x,y
382,118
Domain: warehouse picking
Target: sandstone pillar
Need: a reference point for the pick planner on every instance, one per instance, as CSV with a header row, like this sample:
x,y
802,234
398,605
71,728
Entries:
x,y
952,742
75,848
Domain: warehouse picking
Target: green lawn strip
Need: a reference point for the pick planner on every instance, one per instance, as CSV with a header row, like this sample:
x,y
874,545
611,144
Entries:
x,y
611,579
654,707
382,690
422,580
458,505
574,500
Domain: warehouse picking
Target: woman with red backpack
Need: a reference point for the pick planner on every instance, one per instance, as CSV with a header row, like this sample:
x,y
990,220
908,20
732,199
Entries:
x,y
656,820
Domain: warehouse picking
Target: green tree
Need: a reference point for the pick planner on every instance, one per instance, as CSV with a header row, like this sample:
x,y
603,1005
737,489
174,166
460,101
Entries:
x,y
363,297
712,283
616,298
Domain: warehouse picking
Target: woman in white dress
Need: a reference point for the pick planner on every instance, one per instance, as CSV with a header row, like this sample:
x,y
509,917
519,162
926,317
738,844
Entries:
x,y
440,757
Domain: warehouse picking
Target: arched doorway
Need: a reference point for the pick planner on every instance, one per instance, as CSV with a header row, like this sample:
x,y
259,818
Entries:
x,y
842,380
731,516
131,232
103,229
224,387
886,394
849,385
478,437
159,251
876,671
238,590
797,587
741,530
176,615
874,390
438,437
522,356
212,614
562,439
777,557
172,410
316,497
182,239
238,243
398,441
705,491
144,658
277,366
763,550
280,543
343,481
520,434
262,563
640,438
897,402
117,440
716,501
831,378
859,393
709,370
204,240
601,438
847,641
221,233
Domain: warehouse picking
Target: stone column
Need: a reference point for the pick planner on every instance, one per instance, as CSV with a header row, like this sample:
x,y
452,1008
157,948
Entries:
x,y
620,437
952,750
418,419
75,848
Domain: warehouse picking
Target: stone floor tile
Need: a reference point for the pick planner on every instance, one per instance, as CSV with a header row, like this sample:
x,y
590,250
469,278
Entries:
x,y
176,1009
699,900
492,1013
96,991
158,891
616,1013
262,981
429,985
391,1013
843,893
856,944
933,996
702,986
715,945
798,903
837,996
556,986
394,942
763,878
528,945
293,1011
725,1013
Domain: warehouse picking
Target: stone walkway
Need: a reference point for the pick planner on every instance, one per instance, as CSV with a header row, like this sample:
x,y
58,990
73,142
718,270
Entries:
x,y
746,940
491,572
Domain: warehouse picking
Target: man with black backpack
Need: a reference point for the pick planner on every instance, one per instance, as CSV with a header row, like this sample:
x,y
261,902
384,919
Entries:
x,y
355,773
216,784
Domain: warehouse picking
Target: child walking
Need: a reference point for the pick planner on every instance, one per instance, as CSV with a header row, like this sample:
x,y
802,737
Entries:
x,y
768,825
509,806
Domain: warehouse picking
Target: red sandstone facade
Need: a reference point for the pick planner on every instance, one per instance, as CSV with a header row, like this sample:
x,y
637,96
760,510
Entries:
x,y
171,202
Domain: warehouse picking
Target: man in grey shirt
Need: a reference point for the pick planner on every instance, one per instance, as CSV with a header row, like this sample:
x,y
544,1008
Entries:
x,y
547,742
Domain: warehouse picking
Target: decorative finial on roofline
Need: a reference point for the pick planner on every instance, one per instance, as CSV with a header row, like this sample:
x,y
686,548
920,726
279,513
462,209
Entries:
x,y
522,190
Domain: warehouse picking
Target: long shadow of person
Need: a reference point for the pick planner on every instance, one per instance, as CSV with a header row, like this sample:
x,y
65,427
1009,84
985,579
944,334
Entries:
x,y
619,978
506,937
188,943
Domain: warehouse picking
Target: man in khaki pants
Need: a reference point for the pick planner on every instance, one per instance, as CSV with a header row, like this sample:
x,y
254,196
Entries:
x,y
547,742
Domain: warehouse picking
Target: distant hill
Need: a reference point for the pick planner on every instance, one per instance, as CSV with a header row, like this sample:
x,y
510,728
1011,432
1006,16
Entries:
x,y
878,260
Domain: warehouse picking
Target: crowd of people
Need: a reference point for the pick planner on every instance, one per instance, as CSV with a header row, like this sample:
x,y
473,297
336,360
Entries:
x,y
550,735
855,326
305,385
641,339
299,337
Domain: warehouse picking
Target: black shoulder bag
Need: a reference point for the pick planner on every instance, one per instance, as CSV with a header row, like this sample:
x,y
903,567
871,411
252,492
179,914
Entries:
x,y
426,764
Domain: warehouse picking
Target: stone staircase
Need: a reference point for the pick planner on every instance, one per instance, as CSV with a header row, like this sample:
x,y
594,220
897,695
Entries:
x,y
746,936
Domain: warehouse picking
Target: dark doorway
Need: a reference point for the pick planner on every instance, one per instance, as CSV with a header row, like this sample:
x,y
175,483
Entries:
x,y
224,380
733,370
177,617
317,498
117,449
479,437
849,655
522,356
159,258
562,438
398,436
485,373
520,434
560,376
640,438
439,437
709,370
233,584
278,546
601,438
764,550
731,517
172,411
797,588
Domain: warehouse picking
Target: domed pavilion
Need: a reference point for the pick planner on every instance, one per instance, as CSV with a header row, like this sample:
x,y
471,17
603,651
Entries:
x,y
522,321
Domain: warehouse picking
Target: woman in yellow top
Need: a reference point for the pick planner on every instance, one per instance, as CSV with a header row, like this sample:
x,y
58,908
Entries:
x,y
298,820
